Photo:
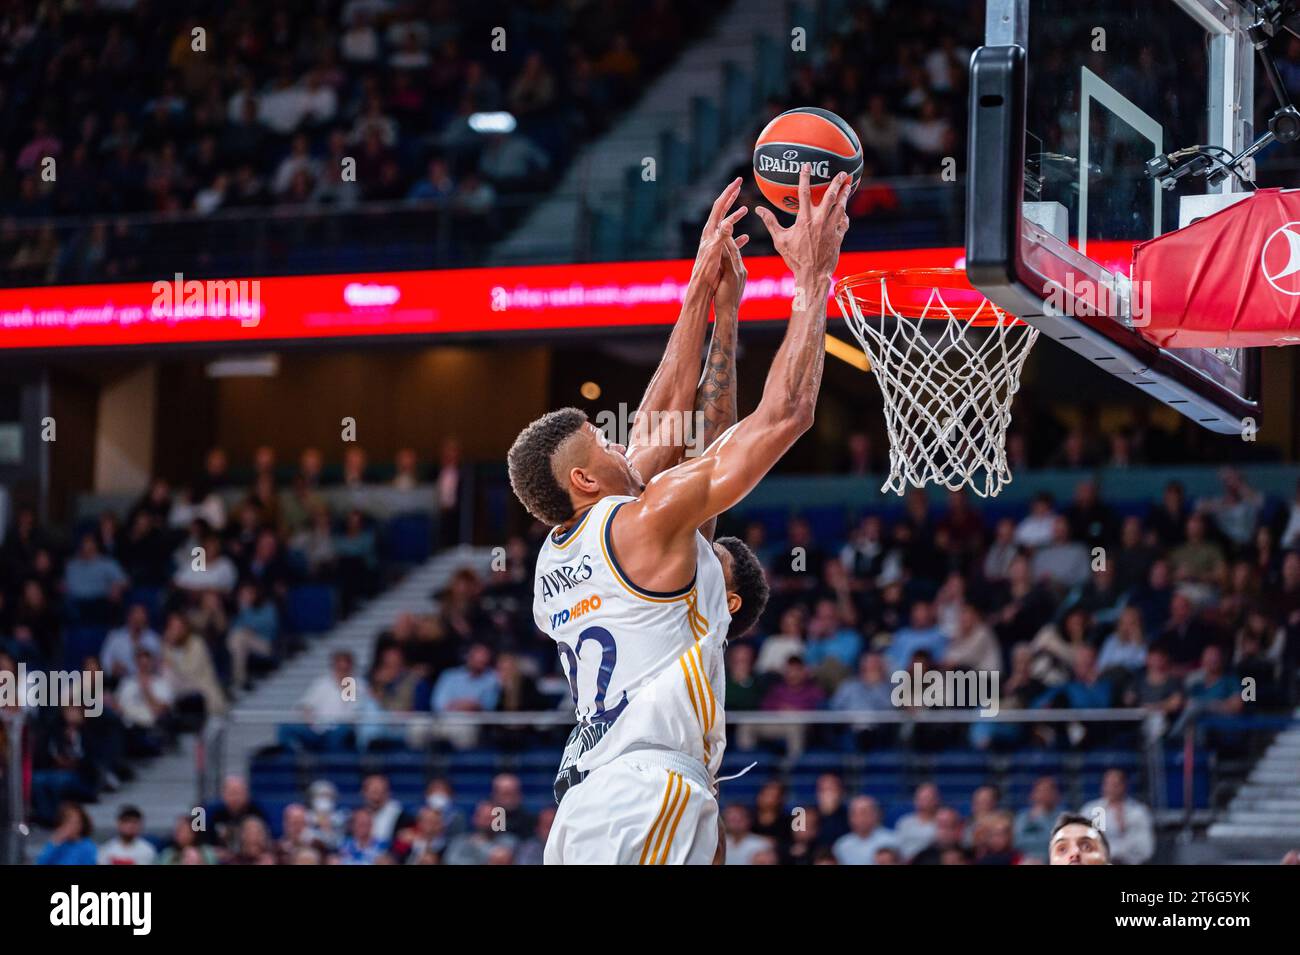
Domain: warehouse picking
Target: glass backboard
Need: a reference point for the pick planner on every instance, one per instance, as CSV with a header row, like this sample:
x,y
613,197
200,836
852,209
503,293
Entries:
x,y
1069,102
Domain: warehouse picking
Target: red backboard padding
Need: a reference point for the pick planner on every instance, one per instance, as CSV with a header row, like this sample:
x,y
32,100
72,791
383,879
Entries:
x,y
1231,279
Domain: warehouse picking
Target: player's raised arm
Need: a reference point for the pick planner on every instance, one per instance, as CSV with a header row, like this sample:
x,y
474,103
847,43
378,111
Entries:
x,y
681,499
659,426
715,398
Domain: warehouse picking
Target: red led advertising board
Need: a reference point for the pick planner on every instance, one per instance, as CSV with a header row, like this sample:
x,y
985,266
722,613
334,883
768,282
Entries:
x,y
482,302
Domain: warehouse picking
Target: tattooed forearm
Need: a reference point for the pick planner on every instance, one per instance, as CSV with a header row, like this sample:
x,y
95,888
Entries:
x,y
715,398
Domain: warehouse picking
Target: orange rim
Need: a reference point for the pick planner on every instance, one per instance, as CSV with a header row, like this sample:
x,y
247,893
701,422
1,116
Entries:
x,y
912,292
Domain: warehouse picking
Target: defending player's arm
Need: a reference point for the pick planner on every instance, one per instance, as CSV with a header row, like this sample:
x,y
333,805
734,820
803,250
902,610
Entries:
x,y
715,398
658,428
681,499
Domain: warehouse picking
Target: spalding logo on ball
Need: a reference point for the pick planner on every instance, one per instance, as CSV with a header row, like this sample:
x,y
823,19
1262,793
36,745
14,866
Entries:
x,y
804,135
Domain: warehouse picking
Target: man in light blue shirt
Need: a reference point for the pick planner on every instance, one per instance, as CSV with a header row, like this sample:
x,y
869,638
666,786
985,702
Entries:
x,y
92,576
921,634
866,835
471,688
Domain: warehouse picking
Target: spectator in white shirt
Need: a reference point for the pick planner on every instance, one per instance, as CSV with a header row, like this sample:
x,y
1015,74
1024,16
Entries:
x,y
208,570
118,656
1035,530
330,698
1126,822
145,698
917,829
742,843
787,642
1062,562
127,848
866,835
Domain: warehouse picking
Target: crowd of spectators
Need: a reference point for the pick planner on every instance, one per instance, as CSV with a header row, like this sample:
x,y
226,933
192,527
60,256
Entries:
x,y
180,603
836,829
303,105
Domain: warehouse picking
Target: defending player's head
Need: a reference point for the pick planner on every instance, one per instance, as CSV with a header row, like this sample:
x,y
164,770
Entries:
x,y
562,462
1076,841
747,589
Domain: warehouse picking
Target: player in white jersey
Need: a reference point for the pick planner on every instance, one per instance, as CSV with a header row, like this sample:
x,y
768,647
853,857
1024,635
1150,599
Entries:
x,y
638,601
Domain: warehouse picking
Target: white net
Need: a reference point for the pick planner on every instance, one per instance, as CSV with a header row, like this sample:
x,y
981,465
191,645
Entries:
x,y
947,377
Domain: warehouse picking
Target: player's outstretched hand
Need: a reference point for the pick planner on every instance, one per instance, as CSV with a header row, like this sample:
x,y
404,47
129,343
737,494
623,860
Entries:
x,y
811,247
711,259
726,300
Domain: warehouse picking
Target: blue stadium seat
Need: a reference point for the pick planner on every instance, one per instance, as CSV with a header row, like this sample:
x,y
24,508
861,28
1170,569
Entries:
x,y
310,608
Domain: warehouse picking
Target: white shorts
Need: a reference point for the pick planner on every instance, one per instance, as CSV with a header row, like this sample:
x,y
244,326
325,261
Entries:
x,y
646,807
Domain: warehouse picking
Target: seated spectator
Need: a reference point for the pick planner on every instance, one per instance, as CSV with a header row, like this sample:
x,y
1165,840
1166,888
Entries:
x,y
120,646
1126,648
190,672
1061,562
185,845
330,697
146,697
424,842
1092,522
392,683
831,807
994,840
1198,560
471,688
1000,553
1024,605
127,847
866,835
1038,526
228,814
796,691
1034,824
1127,823
921,635
386,813
1236,512
742,842
1185,635
1154,596
1159,690
207,569
777,648
1212,689
315,542
1135,557
1169,520
918,828
973,646
253,634
1257,656
1056,648
254,846
476,846
407,467
1086,690
325,821
948,831
91,579
833,644
70,843
869,690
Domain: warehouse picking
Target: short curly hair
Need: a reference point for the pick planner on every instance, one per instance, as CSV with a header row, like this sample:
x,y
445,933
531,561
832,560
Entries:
x,y
529,461
749,582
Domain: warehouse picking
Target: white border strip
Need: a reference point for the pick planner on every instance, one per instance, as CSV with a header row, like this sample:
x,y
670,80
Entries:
x,y
1092,86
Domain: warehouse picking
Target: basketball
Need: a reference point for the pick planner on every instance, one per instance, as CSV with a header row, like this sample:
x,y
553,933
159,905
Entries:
x,y
804,135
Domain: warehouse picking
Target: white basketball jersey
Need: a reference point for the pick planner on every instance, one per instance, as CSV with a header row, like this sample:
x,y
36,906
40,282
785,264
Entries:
x,y
648,664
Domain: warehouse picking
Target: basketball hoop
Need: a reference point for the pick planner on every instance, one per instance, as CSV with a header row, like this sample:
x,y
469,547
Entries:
x,y
948,362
